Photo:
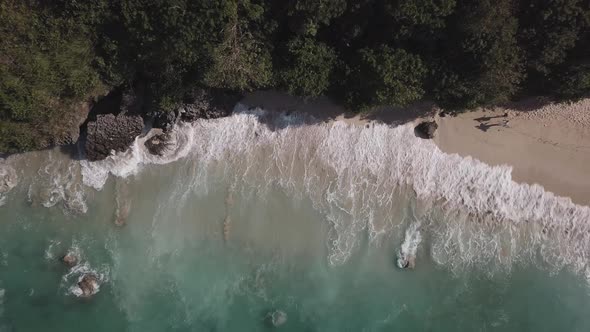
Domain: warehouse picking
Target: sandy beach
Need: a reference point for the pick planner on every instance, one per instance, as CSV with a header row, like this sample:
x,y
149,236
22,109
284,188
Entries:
x,y
549,145
545,144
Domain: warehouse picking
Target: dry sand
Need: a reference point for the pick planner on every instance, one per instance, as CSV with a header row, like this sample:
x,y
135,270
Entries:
x,y
549,145
544,144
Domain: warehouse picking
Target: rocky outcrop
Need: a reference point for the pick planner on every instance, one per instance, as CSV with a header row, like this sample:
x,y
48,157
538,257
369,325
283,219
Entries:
x,y
406,261
165,120
70,259
88,285
71,122
202,104
158,144
426,129
111,132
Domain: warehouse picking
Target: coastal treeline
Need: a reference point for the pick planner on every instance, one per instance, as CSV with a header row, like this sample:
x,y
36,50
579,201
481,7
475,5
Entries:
x,y
55,55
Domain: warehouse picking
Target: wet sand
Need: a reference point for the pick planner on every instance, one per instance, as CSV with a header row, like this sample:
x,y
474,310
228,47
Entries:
x,y
546,144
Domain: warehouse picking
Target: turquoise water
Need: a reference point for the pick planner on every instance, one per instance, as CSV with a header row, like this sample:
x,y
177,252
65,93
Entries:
x,y
302,235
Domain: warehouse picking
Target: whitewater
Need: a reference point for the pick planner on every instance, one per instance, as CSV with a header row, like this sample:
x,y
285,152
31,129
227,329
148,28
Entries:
x,y
352,172
279,195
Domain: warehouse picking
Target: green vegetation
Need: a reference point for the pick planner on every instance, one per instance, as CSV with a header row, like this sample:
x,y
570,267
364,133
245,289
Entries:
x,y
45,68
56,55
385,76
308,68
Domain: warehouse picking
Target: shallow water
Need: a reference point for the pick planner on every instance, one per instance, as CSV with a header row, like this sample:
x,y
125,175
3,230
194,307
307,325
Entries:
x,y
261,212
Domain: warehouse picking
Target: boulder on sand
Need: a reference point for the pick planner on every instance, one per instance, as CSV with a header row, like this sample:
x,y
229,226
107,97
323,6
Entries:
x,y
426,129
111,132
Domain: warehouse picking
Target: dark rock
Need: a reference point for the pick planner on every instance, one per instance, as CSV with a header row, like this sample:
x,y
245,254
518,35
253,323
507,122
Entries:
x,y
426,129
88,285
406,261
165,120
158,144
69,259
202,104
109,132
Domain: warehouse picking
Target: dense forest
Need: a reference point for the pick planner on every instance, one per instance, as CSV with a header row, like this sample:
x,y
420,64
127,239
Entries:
x,y
55,55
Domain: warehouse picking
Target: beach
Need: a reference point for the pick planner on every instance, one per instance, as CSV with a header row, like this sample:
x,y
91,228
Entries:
x,y
544,143
297,210
549,145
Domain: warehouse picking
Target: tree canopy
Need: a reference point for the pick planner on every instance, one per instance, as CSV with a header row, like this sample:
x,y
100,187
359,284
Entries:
x,y
55,55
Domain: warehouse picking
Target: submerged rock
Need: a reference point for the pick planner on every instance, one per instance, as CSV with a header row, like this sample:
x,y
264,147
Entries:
x,y
426,129
88,285
123,203
8,178
70,259
158,144
111,132
276,318
406,261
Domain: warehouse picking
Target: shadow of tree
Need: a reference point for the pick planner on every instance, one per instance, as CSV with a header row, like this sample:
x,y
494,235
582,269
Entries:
x,y
322,110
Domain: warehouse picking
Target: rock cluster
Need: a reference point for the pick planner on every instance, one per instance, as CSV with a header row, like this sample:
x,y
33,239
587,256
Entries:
x,y
202,104
108,131
158,144
165,120
70,259
88,285
111,132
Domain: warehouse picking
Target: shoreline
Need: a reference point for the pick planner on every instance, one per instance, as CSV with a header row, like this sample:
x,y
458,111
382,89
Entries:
x,y
547,145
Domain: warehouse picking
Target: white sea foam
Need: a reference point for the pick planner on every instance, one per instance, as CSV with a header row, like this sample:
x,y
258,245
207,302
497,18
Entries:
x,y
77,273
50,251
8,180
59,181
409,247
2,292
351,174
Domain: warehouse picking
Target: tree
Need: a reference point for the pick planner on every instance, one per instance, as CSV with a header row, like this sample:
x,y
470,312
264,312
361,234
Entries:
x,y
549,29
573,82
385,76
411,18
242,60
482,62
45,71
307,16
309,67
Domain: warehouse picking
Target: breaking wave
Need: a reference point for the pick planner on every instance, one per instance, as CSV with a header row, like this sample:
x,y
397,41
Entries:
x,y
354,174
57,181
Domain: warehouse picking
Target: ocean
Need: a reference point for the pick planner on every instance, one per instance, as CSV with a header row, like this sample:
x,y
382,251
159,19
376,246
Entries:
x,y
272,221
